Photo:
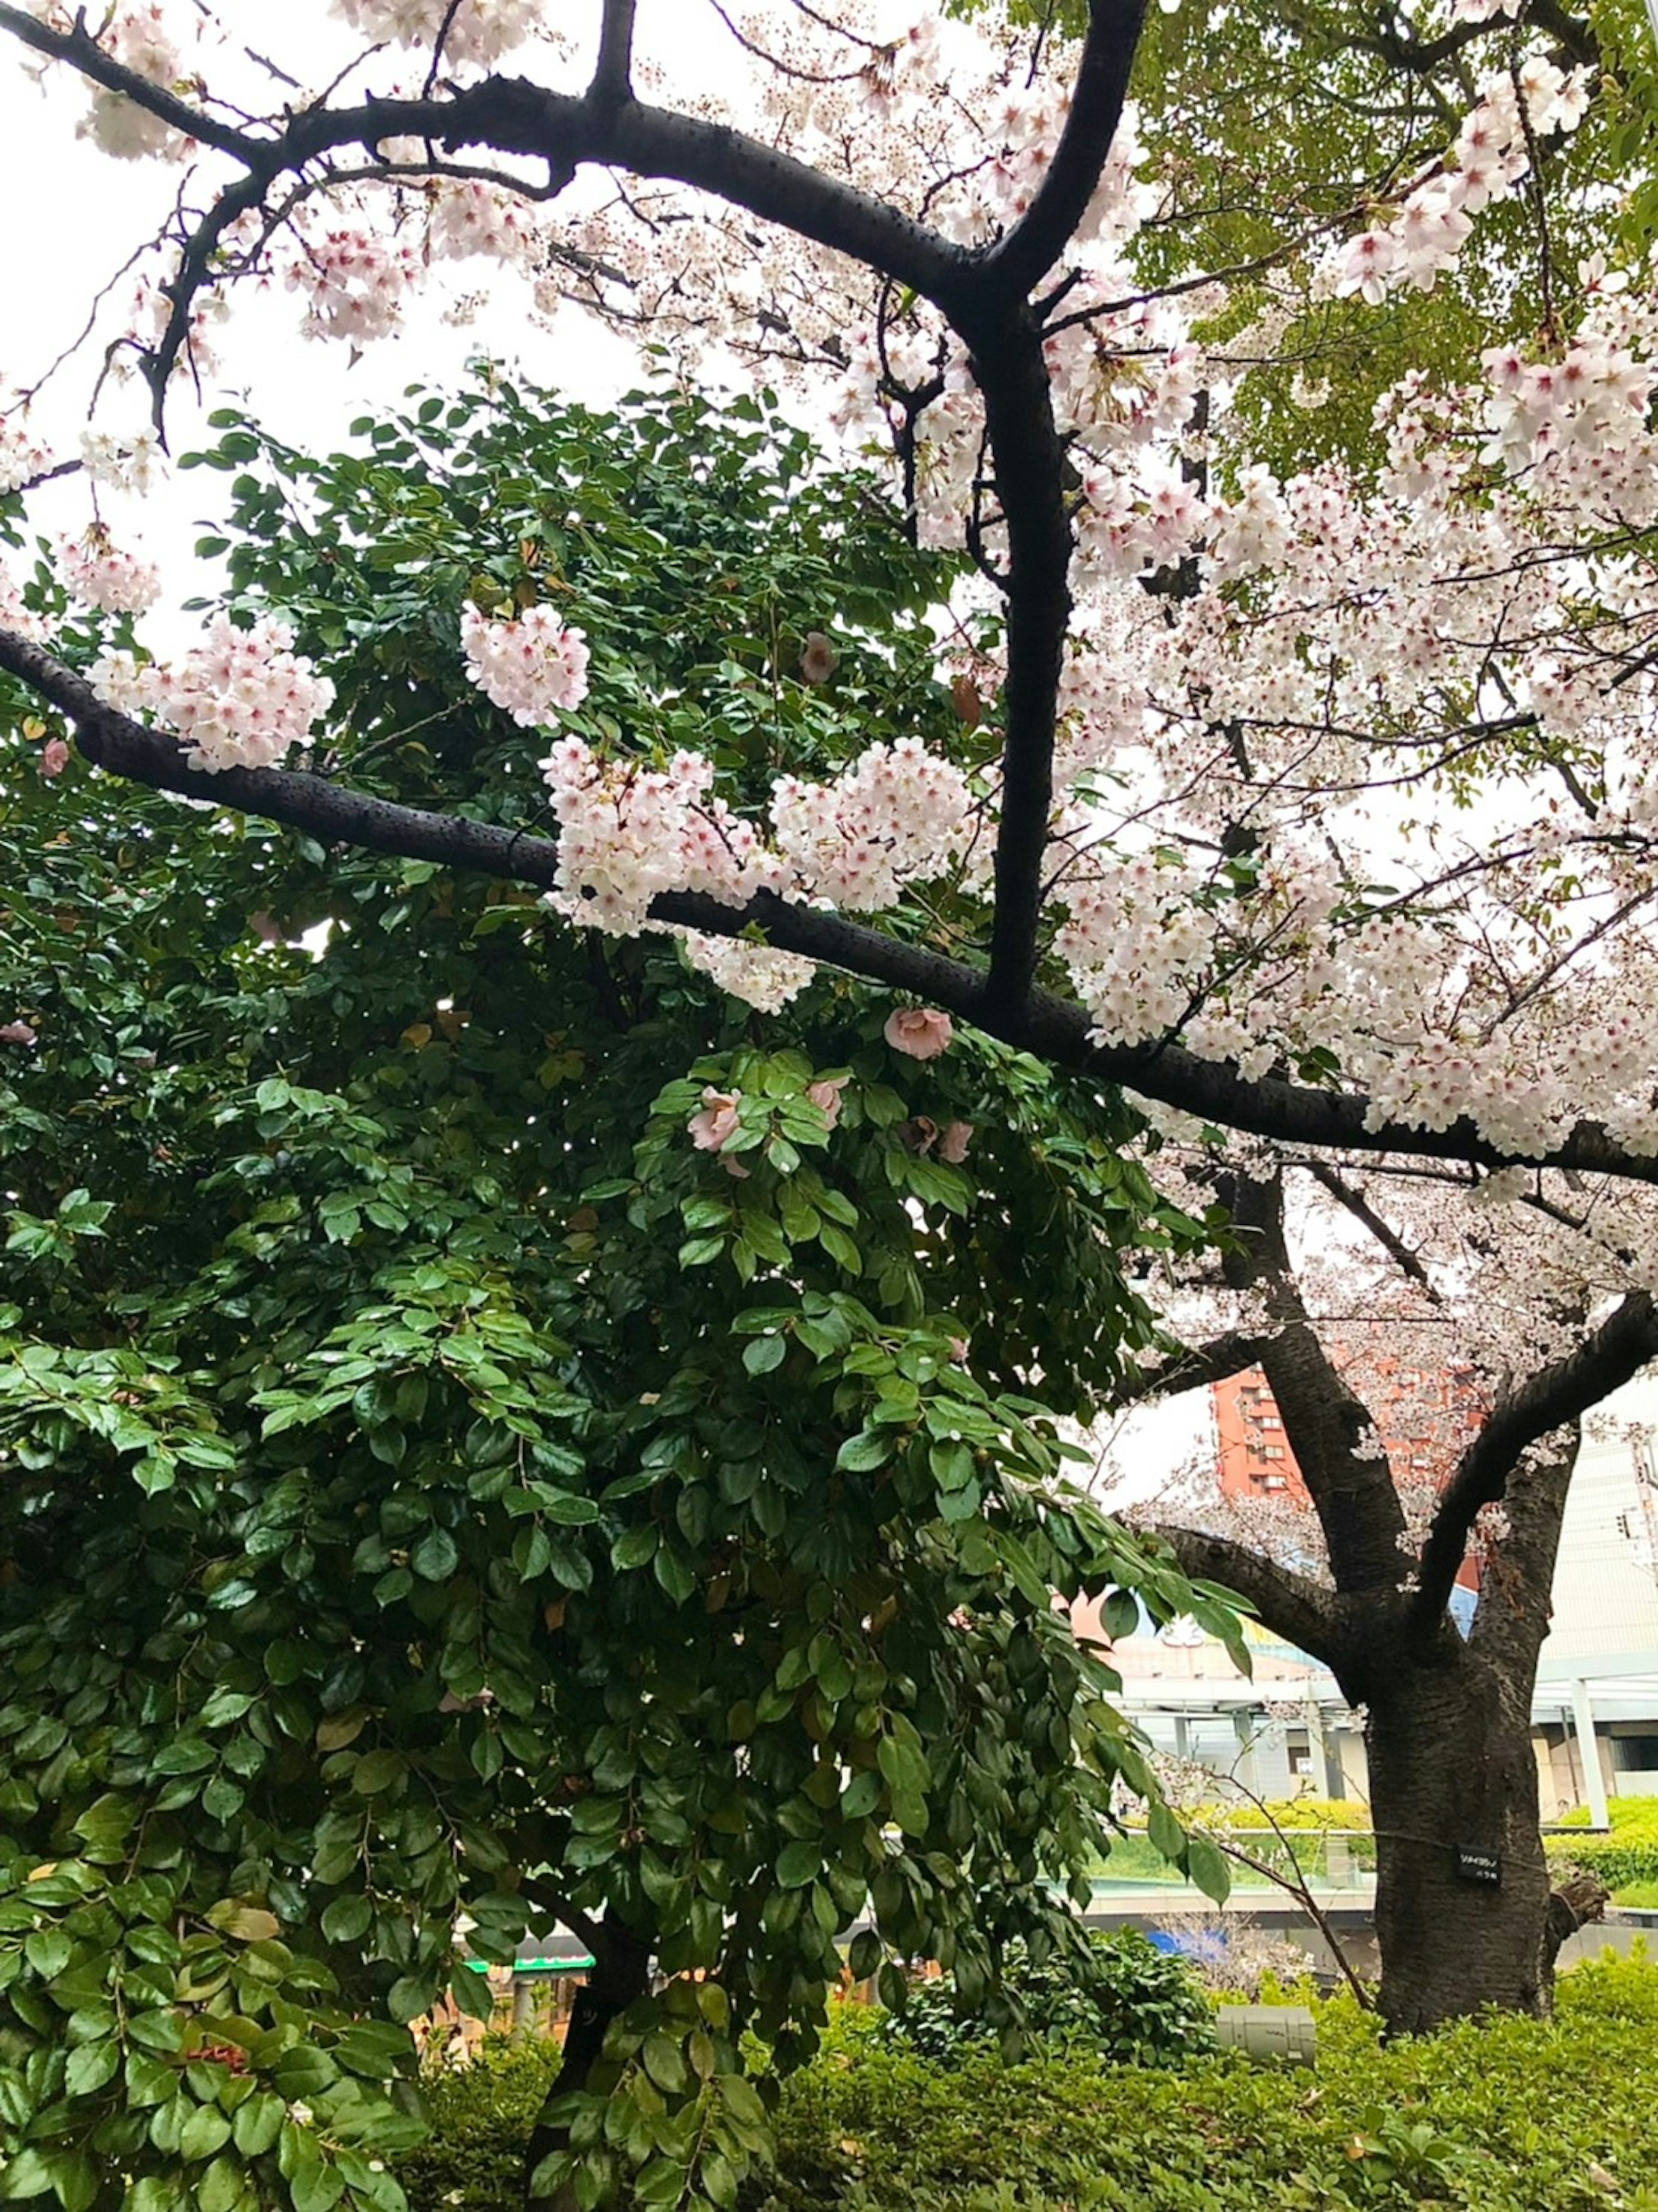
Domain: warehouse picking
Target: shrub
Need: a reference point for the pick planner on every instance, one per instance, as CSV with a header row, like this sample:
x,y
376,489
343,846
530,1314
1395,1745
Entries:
x,y
1120,1997
1629,1855
482,2110
1508,2114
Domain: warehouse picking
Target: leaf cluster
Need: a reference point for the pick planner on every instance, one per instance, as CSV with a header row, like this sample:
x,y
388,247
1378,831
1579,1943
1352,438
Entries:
x,y
433,1494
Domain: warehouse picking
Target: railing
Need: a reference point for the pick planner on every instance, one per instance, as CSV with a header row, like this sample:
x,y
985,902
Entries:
x,y
1261,1860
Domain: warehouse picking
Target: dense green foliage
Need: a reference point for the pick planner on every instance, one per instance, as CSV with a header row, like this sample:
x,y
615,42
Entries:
x,y
431,1485
1624,1860
1125,2000
1267,127
1506,2116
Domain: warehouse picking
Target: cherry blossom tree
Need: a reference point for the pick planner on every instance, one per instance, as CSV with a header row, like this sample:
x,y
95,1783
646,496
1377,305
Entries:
x,y
1314,801
1470,607
1432,1355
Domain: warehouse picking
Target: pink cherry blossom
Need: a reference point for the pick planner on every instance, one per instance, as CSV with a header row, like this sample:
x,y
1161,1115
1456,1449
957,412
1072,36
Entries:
x,y
532,667
16,1033
921,1032
54,758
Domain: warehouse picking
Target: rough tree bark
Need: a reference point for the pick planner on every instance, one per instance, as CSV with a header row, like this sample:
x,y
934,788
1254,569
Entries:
x,y
1466,1919
1454,1793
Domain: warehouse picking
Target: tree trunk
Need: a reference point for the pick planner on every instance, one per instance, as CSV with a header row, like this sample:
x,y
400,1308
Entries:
x,y
621,1972
1463,1890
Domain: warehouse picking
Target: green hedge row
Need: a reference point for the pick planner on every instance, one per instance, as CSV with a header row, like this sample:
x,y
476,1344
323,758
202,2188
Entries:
x,y
1627,1857
1507,2116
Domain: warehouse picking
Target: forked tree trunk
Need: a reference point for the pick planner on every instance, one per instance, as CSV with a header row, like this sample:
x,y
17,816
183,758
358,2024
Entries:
x,y
1454,1799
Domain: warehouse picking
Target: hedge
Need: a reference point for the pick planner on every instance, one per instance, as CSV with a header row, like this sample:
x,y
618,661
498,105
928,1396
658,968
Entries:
x,y
1628,1856
1508,2114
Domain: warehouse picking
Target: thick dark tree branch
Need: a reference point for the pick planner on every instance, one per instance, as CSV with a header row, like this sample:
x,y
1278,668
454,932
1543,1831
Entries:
x,y
1296,1607
581,1924
1561,1393
1006,338
613,74
1196,1368
1518,1575
1051,1029
1025,443
1021,260
1330,1429
510,115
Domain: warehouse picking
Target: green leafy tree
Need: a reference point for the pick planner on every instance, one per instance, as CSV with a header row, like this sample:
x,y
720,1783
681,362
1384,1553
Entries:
x,y
437,1492
1268,128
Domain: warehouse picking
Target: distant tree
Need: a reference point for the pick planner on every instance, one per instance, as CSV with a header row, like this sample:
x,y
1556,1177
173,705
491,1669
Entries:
x,y
1432,1371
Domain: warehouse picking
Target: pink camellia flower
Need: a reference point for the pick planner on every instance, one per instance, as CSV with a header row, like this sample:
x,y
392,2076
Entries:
x,y
921,1032
716,1124
16,1033
952,1145
826,1098
54,758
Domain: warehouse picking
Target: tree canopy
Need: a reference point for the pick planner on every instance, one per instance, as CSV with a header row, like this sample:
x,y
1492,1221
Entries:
x,y
450,1472
1119,730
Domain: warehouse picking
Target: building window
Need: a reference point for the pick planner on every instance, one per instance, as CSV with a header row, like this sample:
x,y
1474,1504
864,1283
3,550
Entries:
x,y
1298,1750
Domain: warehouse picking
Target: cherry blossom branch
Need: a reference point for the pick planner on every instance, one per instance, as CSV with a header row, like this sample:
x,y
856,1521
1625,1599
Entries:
x,y
1051,1028
82,51
1194,1368
1019,261
1361,1211
1560,1392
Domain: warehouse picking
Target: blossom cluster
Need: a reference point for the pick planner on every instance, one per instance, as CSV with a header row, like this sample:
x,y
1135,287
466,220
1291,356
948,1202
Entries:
x,y
902,813
354,283
763,978
241,699
131,464
478,32
532,667
22,457
629,833
106,576
1491,156
141,40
